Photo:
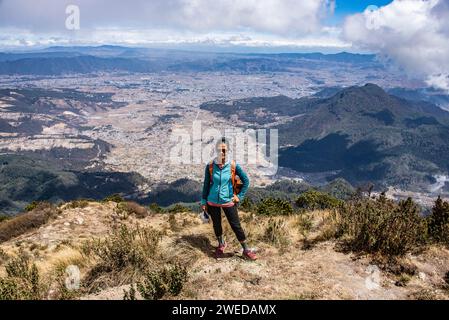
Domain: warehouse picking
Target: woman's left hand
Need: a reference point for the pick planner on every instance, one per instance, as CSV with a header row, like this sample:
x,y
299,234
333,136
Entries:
x,y
236,199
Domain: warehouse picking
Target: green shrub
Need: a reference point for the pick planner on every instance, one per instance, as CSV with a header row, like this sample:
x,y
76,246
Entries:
x,y
22,281
114,198
168,280
340,189
155,208
247,205
381,226
125,247
4,218
438,222
272,207
33,205
80,203
313,200
177,208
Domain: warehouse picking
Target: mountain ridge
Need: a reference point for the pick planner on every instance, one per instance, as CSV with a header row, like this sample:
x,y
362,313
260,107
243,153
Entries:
x,y
362,133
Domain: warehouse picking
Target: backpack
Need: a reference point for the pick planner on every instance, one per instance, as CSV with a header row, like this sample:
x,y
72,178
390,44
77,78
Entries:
x,y
237,184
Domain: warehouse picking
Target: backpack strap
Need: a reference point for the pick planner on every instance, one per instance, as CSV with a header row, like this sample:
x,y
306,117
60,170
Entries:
x,y
211,171
233,165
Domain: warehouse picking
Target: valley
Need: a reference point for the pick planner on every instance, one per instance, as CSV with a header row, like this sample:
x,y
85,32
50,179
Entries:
x,y
122,122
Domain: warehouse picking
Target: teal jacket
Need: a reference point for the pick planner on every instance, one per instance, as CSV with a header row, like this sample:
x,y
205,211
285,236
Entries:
x,y
220,191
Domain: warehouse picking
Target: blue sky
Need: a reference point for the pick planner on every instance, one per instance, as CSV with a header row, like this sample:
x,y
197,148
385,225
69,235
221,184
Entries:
x,y
348,7
351,6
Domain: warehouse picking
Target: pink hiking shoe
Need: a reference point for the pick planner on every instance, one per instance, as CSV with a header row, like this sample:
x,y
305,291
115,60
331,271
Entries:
x,y
249,254
219,252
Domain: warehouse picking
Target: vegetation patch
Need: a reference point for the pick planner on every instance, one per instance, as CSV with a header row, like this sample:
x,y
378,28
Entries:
x,y
114,198
438,222
178,208
276,232
4,218
38,216
381,226
274,207
314,200
155,208
80,203
168,280
22,281
122,256
127,208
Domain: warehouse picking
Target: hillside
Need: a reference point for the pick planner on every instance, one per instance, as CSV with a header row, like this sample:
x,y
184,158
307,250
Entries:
x,y
290,266
31,178
361,134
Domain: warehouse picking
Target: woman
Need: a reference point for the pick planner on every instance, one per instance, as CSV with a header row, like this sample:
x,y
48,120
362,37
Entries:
x,y
218,193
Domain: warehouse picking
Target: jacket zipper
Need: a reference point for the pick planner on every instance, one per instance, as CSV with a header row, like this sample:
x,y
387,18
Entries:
x,y
219,188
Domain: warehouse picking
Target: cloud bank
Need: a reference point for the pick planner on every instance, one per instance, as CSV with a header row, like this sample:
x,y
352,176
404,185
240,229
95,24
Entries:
x,y
272,16
250,23
412,33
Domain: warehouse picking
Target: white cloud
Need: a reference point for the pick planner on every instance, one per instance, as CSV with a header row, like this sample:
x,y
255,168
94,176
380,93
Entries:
x,y
439,81
249,23
326,41
273,16
412,33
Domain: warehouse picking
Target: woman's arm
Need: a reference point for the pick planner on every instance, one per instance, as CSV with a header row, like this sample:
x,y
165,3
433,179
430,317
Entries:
x,y
245,180
206,186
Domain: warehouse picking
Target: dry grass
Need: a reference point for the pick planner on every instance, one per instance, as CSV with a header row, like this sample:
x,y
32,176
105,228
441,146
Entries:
x,y
121,257
80,203
125,209
277,233
111,261
27,221
62,258
3,256
424,294
22,281
173,222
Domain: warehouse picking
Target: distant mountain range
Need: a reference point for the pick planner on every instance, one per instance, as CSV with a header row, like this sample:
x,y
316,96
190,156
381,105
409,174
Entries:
x,y
362,134
84,60
72,64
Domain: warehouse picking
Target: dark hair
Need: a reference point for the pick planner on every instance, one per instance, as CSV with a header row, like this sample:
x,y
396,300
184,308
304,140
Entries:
x,y
222,140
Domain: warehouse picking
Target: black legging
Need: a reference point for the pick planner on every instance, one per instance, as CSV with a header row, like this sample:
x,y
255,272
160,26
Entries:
x,y
233,218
